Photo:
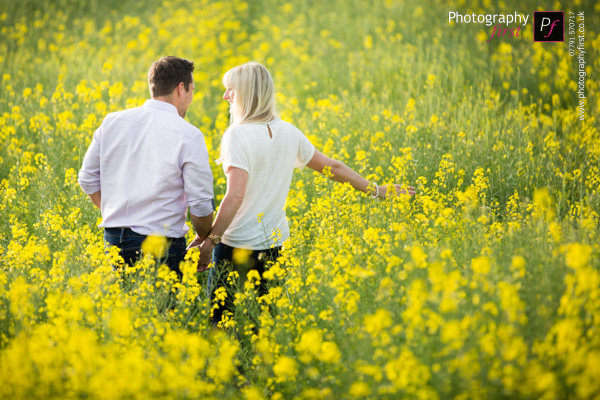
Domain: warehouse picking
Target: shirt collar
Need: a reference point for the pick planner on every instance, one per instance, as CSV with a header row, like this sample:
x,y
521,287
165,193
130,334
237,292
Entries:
x,y
161,105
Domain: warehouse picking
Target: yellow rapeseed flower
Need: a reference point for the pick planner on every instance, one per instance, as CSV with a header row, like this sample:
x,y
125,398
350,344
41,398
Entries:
x,y
155,245
241,256
309,345
578,255
330,353
285,369
481,265
359,390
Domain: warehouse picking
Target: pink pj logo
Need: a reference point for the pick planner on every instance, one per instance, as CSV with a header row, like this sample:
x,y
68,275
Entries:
x,y
548,26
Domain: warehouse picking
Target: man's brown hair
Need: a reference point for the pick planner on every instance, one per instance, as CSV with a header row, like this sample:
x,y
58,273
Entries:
x,y
167,72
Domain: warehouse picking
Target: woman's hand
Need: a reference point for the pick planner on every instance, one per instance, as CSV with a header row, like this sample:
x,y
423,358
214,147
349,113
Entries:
x,y
340,172
206,249
399,189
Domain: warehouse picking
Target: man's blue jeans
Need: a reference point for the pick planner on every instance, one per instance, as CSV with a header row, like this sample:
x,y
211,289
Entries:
x,y
130,246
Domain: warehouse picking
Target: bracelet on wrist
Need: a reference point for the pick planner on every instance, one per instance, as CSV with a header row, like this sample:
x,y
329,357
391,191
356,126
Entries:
x,y
376,190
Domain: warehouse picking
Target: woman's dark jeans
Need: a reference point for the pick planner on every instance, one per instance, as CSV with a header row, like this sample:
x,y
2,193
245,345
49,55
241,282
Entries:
x,y
222,259
130,246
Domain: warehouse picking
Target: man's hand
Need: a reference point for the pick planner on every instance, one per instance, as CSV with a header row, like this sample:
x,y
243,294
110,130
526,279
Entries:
x,y
206,249
96,198
195,243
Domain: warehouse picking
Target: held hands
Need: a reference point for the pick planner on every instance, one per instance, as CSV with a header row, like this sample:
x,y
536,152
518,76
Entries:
x,y
206,247
195,243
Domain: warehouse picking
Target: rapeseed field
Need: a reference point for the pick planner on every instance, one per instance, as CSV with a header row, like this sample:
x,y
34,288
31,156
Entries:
x,y
485,285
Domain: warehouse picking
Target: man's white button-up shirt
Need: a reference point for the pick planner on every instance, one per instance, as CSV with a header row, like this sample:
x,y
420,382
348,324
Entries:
x,y
150,165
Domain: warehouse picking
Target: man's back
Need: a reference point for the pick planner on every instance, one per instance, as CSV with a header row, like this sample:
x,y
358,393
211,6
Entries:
x,y
150,164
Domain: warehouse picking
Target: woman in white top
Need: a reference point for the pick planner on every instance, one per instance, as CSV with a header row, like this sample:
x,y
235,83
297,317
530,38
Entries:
x,y
259,152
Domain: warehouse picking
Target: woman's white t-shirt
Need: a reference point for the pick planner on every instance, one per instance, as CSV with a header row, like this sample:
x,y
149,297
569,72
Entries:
x,y
270,164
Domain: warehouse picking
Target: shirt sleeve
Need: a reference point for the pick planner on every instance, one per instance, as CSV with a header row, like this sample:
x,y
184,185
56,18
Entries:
x,y
89,174
197,177
306,151
233,151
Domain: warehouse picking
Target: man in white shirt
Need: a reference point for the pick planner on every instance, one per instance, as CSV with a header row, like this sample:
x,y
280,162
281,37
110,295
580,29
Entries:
x,y
147,165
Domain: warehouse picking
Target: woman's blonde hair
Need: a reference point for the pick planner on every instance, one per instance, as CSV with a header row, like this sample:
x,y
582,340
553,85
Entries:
x,y
254,93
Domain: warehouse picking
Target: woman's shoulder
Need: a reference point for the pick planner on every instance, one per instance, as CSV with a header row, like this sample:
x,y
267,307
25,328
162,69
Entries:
x,y
238,131
285,125
279,121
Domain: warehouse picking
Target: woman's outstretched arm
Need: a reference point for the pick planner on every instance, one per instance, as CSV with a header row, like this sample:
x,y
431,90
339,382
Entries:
x,y
342,173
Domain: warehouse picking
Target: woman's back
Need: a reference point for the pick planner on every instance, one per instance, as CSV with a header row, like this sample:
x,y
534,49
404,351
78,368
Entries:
x,y
269,152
